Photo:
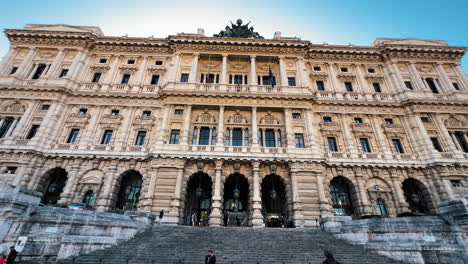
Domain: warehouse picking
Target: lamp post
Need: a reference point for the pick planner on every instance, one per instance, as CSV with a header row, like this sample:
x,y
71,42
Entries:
x,y
128,190
341,199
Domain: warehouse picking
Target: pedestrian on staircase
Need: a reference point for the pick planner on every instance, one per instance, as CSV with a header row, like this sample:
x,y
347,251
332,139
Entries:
x,y
329,259
12,256
161,214
210,258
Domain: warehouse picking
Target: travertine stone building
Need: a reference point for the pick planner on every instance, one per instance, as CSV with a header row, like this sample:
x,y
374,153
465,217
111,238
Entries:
x,y
233,129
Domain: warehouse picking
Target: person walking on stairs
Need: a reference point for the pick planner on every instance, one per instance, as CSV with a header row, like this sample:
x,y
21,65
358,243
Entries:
x,y
12,256
210,258
329,259
161,214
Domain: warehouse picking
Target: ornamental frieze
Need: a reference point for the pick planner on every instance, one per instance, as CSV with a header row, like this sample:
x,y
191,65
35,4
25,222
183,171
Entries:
x,y
343,57
361,127
78,118
131,48
236,101
260,50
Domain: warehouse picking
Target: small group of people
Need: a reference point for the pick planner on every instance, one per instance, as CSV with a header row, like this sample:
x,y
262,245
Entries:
x,y
329,259
11,256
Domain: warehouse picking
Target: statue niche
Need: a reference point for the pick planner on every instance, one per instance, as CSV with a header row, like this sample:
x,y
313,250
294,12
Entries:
x,y
238,31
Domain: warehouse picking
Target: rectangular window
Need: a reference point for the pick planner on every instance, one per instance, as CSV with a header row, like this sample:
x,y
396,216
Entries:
x,y
45,107
158,62
106,137
63,73
270,138
291,81
184,77
237,136
317,68
327,119
154,79
5,127
102,60
175,134
125,78
40,69
397,146
456,183
377,88
140,139
365,146
115,112
320,86
344,69
371,70
204,136
178,112
131,62
358,120
388,121
425,119
82,111
409,85
299,140
348,86
96,77
32,131
431,83
13,70
146,113
73,135
10,170
436,144
296,115
455,85
332,146
461,141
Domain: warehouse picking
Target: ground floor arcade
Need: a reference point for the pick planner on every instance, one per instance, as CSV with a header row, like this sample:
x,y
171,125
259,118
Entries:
x,y
268,193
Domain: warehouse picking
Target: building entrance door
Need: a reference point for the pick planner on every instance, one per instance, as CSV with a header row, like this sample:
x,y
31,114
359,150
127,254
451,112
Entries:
x,y
236,198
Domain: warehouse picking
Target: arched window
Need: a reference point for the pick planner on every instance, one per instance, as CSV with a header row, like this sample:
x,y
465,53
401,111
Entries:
x,y
130,189
381,208
88,198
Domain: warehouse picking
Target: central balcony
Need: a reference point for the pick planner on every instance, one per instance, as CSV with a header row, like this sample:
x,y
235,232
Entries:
x,y
237,88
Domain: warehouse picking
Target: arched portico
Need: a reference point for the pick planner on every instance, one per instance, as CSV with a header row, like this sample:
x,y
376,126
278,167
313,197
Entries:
x,y
343,196
198,201
418,197
236,200
52,184
129,190
274,201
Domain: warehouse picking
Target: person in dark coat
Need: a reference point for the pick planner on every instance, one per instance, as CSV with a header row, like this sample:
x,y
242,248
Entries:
x,y
161,215
210,258
329,259
12,256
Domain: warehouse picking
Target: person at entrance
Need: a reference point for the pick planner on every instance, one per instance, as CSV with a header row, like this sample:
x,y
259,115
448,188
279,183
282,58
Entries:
x,y
194,219
161,214
12,256
210,258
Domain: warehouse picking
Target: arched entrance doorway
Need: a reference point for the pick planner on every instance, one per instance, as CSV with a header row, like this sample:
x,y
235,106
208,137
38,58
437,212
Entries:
x,y
341,192
417,196
130,190
198,200
274,202
236,200
55,180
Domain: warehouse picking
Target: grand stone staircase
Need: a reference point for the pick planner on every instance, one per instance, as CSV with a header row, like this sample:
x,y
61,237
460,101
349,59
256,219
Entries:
x,y
182,244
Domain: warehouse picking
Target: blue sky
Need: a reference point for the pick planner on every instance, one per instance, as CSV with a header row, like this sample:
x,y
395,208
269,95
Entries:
x,y
331,21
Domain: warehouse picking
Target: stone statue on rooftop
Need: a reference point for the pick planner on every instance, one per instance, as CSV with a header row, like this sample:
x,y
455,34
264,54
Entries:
x,y
238,31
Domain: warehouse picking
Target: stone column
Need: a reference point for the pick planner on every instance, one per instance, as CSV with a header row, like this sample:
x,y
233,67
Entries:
x,y
253,70
186,128
313,133
254,128
418,83
105,195
394,72
220,138
444,77
283,73
88,136
448,188
12,127
323,202
114,67
138,80
425,137
72,180
398,189
289,128
174,68
44,127
175,203
297,207
223,79
301,68
56,63
7,60
333,80
363,85
216,216
163,127
348,137
126,127
30,74
25,65
365,204
257,218
445,134
194,68
455,141
382,140
149,195
461,76
74,67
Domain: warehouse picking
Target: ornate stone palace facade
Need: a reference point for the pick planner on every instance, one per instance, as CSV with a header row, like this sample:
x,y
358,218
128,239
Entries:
x,y
233,129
